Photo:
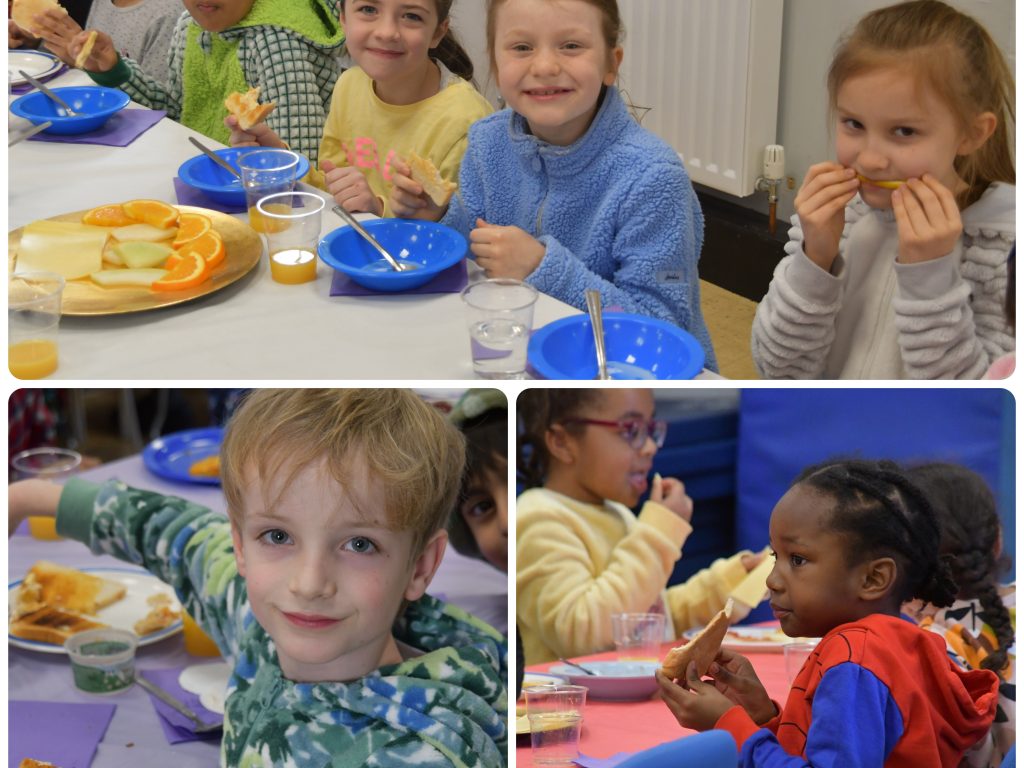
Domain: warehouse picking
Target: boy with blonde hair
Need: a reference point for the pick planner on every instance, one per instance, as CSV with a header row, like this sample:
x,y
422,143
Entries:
x,y
315,586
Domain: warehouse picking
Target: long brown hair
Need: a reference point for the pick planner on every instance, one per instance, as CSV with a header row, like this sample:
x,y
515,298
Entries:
x,y
953,55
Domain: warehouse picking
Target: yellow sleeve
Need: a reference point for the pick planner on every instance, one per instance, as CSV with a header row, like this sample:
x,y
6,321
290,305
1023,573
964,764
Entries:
x,y
564,600
330,143
700,597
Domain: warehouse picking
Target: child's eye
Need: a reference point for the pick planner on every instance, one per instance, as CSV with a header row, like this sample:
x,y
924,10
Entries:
x,y
797,560
572,46
477,507
904,133
851,124
413,17
520,48
360,545
275,537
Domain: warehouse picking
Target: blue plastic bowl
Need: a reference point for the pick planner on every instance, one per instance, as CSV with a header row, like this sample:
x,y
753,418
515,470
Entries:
x,y
94,105
434,247
200,172
638,347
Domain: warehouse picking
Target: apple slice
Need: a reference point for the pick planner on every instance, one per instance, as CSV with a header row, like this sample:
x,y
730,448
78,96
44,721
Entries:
x,y
143,232
143,255
112,278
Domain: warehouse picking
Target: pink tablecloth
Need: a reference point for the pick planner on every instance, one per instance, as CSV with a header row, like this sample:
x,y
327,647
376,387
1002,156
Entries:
x,y
612,727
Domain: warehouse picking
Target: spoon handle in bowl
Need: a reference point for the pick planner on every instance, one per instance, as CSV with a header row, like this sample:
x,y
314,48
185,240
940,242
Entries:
x,y
353,222
597,323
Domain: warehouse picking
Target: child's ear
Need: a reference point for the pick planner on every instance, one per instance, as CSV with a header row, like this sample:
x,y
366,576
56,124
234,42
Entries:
x,y
979,131
560,444
616,62
236,540
877,578
440,32
426,565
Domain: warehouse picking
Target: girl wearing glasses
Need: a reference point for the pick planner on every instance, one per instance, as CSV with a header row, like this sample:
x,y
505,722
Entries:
x,y
581,554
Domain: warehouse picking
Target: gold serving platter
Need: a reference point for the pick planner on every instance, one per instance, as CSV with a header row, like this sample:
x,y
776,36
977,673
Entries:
x,y
84,298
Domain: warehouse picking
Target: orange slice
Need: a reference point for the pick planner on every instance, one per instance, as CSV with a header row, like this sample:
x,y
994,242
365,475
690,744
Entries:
x,y
156,213
190,271
210,246
190,226
108,216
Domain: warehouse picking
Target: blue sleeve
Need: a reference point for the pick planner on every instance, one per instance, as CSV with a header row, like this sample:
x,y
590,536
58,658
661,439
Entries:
x,y
855,723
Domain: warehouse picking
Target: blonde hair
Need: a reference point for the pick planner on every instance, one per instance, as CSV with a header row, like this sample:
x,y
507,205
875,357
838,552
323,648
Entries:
x,y
416,456
957,59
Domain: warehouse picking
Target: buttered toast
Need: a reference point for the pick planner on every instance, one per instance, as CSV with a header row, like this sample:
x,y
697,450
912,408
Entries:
x,y
245,107
51,625
427,176
55,586
702,649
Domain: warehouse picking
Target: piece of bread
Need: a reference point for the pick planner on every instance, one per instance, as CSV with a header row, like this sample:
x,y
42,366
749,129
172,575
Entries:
x,y
22,12
51,625
56,586
427,176
83,55
208,467
702,649
161,615
28,762
245,107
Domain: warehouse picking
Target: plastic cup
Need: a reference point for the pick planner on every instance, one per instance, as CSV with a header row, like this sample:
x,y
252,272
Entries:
x,y
500,317
555,713
638,636
102,660
54,464
33,316
267,172
292,225
796,653
197,642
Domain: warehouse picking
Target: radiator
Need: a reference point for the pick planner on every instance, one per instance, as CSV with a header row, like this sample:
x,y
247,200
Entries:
x,y
704,76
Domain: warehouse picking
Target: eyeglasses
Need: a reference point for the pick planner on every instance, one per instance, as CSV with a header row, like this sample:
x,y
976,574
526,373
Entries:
x,y
633,431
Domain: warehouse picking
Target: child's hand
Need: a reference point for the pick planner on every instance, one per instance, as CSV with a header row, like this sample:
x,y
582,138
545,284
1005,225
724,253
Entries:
x,y
735,678
58,29
27,498
671,493
820,203
750,562
408,199
350,189
259,135
927,220
505,251
699,705
18,37
102,57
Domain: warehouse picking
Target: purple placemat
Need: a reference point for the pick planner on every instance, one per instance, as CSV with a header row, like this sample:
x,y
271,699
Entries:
x,y
57,732
586,761
191,196
451,280
119,131
178,728
26,87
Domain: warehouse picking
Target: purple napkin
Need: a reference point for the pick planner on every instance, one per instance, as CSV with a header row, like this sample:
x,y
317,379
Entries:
x,y
178,728
586,761
191,196
63,734
26,87
119,131
451,280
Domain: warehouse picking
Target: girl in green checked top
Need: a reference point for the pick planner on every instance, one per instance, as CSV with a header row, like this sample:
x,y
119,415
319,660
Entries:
x,y
314,589
289,48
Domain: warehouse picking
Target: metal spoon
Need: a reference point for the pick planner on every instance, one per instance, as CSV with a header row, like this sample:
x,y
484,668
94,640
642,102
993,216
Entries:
x,y
353,222
596,322
578,666
20,137
216,158
47,92
169,700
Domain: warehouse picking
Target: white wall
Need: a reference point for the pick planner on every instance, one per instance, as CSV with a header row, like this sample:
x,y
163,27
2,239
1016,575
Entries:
x,y
810,31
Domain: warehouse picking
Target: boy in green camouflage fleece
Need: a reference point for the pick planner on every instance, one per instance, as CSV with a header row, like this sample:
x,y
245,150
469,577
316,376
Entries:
x,y
314,589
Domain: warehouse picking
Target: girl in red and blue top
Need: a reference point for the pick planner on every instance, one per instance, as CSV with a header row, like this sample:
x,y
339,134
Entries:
x,y
853,541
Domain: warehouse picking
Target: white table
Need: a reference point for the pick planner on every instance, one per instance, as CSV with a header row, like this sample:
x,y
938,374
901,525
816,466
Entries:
x,y
255,328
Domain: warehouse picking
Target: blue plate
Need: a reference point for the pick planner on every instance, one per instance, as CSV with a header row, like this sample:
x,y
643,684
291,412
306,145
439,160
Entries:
x,y
612,680
171,456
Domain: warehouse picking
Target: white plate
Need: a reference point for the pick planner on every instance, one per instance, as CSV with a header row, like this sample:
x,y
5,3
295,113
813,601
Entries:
x,y
612,680
139,586
36,63
209,682
752,639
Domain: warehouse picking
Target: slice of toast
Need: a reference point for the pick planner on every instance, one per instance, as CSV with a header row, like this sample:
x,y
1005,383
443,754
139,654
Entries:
x,y
51,625
427,176
56,586
83,55
23,11
161,615
702,649
245,107
29,762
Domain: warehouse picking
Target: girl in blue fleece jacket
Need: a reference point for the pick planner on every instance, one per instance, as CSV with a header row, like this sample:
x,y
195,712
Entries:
x,y
564,189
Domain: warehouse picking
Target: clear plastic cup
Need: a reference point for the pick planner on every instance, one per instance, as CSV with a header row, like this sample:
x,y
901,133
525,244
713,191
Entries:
x,y
292,226
267,172
33,317
555,713
54,464
638,636
500,317
796,653
102,660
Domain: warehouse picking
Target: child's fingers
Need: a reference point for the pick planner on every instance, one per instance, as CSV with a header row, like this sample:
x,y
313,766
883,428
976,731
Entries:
x,y
927,201
944,196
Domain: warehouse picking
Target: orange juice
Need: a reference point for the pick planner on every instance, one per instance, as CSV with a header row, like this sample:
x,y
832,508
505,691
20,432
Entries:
x,y
43,528
197,642
32,359
262,223
293,265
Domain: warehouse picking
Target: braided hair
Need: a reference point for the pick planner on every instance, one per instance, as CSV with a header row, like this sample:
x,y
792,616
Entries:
x,y
880,512
539,410
966,509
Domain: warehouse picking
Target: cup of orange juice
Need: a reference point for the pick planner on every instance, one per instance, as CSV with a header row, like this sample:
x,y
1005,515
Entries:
x,y
55,464
197,642
267,172
33,315
293,229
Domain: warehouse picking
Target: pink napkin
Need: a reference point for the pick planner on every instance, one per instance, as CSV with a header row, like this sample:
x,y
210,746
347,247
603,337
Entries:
x,y
119,131
451,280
57,732
178,728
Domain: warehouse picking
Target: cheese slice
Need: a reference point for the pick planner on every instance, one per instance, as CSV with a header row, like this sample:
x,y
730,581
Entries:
x,y
753,589
70,249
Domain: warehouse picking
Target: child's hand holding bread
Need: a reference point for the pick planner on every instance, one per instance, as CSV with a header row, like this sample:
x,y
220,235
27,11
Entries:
x,y
671,493
410,196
